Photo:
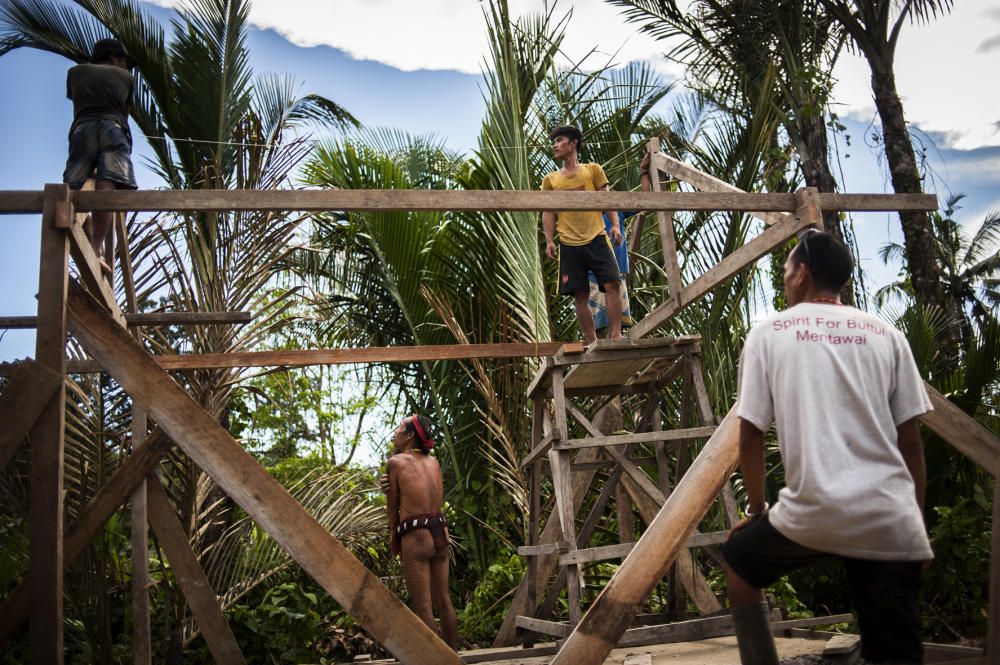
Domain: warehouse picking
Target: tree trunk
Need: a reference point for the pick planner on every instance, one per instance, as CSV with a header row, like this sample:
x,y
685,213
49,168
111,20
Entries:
x,y
814,155
918,236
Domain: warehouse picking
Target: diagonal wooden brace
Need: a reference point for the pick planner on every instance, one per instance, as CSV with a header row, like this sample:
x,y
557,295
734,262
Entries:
x,y
211,447
23,400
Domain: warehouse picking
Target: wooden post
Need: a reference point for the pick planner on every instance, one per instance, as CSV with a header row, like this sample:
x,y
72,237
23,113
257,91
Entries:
x,y
534,510
142,649
671,266
238,474
596,635
45,571
993,630
562,482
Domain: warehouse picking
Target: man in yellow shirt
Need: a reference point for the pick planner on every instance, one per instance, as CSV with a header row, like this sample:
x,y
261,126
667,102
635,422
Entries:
x,y
584,245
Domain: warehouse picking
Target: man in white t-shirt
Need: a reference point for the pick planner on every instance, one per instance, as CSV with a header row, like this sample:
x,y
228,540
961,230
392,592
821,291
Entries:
x,y
843,390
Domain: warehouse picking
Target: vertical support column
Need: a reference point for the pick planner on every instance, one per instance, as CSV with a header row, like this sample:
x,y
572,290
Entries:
x,y
45,571
665,219
562,480
659,447
993,625
142,650
534,512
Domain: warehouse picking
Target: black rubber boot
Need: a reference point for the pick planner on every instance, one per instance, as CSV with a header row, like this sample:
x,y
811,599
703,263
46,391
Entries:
x,y
753,633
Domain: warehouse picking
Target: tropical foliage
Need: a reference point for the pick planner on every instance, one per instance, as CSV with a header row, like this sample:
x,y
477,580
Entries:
x,y
753,111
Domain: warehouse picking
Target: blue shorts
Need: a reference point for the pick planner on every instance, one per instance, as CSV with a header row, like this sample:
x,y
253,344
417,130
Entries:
x,y
102,146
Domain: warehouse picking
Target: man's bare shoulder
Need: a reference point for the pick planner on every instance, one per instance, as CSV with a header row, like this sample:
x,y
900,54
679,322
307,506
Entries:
x,y
398,462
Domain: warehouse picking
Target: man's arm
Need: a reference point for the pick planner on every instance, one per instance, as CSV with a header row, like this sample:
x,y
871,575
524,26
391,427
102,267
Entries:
x,y
752,465
616,229
549,226
392,496
912,448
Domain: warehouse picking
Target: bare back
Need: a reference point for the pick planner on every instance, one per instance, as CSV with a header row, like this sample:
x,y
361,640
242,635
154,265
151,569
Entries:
x,y
418,479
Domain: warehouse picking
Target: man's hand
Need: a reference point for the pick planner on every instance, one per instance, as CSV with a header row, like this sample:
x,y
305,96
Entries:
x,y
383,483
616,235
742,524
550,249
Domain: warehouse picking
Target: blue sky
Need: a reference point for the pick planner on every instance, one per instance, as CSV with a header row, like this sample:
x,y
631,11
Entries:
x,y
386,81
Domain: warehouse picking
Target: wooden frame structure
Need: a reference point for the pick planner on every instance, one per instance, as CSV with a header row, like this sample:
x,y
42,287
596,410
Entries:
x,y
34,403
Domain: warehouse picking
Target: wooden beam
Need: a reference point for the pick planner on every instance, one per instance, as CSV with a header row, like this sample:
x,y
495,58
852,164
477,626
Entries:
x,y
45,521
134,320
142,640
641,437
539,451
603,625
89,268
130,473
238,474
310,357
993,623
125,262
23,400
30,201
671,265
730,266
541,550
562,487
962,431
705,182
191,578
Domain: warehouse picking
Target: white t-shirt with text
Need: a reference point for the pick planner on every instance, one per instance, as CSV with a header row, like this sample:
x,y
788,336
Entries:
x,y
837,381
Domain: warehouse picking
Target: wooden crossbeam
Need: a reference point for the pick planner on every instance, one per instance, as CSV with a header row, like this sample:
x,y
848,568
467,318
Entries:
x,y
641,437
237,473
109,498
134,320
310,357
963,432
191,578
705,182
25,397
807,215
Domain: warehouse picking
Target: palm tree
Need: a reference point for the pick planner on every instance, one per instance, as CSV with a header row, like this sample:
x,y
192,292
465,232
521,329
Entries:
x,y
874,27
211,123
970,267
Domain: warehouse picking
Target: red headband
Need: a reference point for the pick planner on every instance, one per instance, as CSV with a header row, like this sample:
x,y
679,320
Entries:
x,y
427,443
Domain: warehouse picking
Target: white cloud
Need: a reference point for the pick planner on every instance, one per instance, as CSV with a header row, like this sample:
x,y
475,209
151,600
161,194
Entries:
x,y
945,71
439,34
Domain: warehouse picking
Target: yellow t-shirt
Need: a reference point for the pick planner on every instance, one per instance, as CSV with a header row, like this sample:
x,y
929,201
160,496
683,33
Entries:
x,y
578,227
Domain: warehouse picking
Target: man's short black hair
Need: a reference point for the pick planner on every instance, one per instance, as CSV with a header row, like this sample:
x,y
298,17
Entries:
x,y
105,49
827,258
570,132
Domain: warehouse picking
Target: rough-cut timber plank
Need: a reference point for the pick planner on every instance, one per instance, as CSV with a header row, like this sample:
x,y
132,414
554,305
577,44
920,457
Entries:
x,y
22,402
609,616
30,201
665,219
993,628
732,264
540,550
88,265
149,319
557,628
378,199
131,472
191,578
309,357
45,523
142,639
641,437
604,553
539,451
125,262
962,431
705,182
256,491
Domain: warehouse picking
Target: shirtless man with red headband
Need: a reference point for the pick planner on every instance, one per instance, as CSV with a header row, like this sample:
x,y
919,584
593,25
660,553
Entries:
x,y
419,530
